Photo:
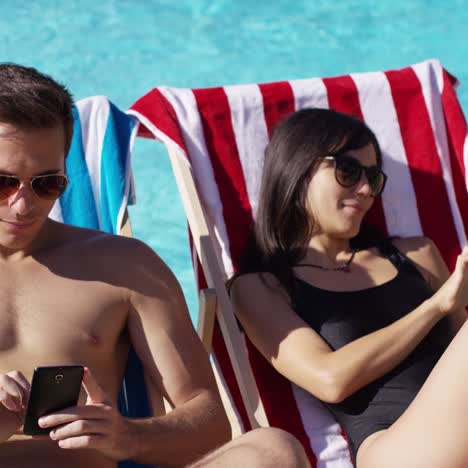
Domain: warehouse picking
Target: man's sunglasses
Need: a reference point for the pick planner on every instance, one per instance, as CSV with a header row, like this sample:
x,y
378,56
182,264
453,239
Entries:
x,y
47,187
348,172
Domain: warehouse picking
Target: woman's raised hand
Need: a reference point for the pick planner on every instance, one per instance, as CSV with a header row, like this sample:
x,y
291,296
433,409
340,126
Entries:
x,y
453,295
14,394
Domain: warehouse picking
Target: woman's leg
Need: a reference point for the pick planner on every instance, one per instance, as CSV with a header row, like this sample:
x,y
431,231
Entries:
x,y
433,431
261,448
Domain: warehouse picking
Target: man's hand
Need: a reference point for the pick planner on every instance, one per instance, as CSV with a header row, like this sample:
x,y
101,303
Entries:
x,y
14,394
96,425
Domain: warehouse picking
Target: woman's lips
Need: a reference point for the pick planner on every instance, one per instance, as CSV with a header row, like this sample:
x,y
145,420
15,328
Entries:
x,y
354,208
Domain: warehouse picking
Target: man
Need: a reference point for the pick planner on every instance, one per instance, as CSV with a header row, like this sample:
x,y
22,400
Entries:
x,y
78,296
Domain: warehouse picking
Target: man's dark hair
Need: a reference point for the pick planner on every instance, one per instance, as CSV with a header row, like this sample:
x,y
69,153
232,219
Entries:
x,y
32,100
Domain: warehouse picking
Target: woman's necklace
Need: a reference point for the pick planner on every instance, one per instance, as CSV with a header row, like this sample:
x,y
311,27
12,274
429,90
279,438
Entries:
x,y
344,268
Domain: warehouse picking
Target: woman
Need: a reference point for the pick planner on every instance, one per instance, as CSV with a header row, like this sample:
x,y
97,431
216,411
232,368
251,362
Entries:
x,y
365,324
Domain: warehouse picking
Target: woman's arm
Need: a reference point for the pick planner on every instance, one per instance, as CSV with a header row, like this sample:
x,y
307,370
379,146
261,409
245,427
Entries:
x,y
303,357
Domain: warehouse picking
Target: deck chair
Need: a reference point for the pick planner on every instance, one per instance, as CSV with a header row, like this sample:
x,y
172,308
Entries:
x,y
100,188
216,139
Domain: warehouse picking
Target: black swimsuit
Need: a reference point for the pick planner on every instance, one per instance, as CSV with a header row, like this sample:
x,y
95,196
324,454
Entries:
x,y
342,317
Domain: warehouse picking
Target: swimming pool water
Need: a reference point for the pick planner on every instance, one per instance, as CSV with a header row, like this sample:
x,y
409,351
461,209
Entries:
x,y
124,48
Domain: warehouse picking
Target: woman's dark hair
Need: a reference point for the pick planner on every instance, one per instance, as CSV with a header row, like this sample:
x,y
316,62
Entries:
x,y
31,100
283,226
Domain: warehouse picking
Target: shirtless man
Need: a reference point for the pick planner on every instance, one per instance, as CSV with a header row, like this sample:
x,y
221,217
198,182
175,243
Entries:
x,y
76,296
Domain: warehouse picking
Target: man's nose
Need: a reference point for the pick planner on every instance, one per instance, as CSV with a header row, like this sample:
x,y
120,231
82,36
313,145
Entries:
x,y
22,202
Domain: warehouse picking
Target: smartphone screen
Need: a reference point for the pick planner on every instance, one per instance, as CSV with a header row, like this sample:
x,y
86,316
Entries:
x,y
53,388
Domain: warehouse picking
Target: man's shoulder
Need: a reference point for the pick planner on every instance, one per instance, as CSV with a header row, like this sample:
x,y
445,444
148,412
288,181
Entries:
x,y
102,246
74,236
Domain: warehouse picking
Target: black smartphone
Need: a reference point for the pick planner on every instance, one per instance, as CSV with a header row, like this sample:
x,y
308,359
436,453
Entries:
x,y
53,388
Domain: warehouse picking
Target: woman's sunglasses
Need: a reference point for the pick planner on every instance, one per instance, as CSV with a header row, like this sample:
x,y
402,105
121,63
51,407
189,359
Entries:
x,y
47,187
348,172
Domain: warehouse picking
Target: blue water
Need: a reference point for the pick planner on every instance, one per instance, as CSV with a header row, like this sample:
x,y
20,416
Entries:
x,y
124,48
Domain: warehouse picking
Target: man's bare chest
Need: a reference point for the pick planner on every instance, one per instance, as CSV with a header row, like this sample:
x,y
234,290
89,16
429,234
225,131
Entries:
x,y
43,315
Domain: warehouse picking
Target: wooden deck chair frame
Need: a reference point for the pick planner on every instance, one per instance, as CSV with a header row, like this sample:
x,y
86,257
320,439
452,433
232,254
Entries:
x,y
126,229
214,301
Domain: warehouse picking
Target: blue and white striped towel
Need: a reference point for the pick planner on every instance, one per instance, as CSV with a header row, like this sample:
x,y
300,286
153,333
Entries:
x,y
98,166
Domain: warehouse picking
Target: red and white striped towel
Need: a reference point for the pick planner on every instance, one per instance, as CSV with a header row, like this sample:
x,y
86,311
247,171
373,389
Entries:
x,y
223,131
